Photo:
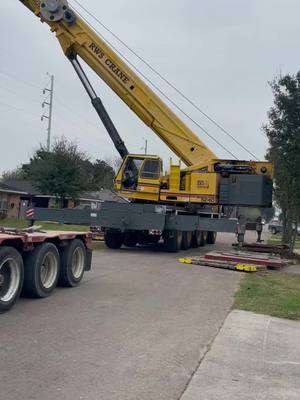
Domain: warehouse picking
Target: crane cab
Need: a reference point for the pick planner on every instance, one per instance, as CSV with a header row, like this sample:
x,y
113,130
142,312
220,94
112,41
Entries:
x,y
139,177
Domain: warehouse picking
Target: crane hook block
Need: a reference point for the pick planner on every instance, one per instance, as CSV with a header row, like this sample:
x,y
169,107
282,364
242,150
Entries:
x,y
57,10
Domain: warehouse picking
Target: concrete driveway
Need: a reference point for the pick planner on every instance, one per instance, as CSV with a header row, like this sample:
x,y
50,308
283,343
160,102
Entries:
x,y
254,357
136,329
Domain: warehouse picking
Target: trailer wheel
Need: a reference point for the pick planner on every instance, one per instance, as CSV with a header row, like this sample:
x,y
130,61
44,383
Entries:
x,y
130,239
196,239
42,267
211,237
72,264
203,240
173,240
11,277
274,231
186,240
114,240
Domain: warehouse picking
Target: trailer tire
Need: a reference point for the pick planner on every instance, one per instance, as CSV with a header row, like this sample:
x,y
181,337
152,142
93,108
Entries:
x,y
42,266
114,240
173,241
186,240
211,237
72,263
11,277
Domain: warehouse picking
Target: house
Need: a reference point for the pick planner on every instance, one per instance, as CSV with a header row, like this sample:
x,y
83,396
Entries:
x,y
95,199
32,195
29,195
10,201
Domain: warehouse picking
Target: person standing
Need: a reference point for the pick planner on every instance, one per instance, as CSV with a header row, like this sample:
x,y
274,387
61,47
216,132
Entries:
x,y
259,229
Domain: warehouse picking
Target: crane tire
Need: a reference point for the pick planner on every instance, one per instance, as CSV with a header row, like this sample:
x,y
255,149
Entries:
x,y
172,241
186,240
130,239
196,239
114,240
203,240
211,237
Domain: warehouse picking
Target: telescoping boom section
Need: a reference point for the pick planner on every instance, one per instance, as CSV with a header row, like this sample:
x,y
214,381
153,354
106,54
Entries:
x,y
77,38
206,180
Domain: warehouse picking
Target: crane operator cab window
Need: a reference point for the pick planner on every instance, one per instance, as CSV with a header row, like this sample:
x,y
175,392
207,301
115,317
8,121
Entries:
x,y
140,168
151,169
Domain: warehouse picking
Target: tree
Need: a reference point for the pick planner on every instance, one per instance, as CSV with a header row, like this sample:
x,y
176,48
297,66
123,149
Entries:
x,y
17,173
103,175
283,132
114,162
66,172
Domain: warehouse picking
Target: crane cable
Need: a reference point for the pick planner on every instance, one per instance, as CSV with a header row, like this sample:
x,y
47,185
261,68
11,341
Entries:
x,y
156,87
178,91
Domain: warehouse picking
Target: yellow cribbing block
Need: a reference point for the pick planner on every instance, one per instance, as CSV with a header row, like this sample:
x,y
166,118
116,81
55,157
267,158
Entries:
x,y
246,268
185,261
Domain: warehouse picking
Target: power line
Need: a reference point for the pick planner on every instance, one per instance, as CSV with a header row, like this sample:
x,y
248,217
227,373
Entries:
x,y
18,109
156,87
20,80
167,81
74,113
18,94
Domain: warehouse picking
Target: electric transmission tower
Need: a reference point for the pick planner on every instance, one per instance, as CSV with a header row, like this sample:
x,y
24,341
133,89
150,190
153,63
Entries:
x,y
48,103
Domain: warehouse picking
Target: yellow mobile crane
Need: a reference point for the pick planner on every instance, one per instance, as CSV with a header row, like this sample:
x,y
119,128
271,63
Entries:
x,y
206,180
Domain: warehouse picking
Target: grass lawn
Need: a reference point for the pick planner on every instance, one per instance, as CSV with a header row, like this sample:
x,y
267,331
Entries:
x,y
273,293
276,239
47,226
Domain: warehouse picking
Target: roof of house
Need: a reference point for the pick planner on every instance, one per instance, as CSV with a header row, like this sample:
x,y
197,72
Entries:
x,y
23,185
102,195
26,187
4,187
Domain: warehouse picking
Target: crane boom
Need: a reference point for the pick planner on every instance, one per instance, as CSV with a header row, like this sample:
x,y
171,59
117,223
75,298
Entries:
x,y
77,38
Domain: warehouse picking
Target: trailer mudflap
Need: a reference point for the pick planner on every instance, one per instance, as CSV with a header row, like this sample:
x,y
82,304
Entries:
x,y
88,264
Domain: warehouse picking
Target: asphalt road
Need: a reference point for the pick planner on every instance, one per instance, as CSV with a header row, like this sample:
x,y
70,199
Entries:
x,y
135,329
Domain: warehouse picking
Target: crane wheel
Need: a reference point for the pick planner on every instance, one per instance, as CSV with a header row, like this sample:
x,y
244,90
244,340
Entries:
x,y
114,240
211,237
130,239
186,240
173,241
154,239
196,239
11,277
203,240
